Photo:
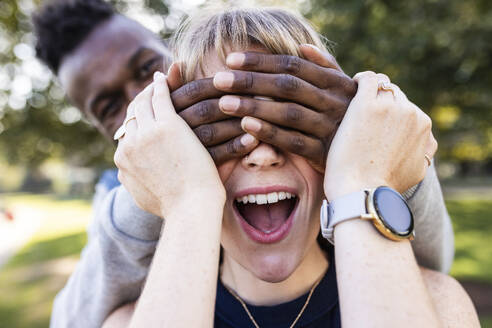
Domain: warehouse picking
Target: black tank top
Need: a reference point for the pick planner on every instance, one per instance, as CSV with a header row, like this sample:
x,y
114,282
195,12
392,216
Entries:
x,y
323,310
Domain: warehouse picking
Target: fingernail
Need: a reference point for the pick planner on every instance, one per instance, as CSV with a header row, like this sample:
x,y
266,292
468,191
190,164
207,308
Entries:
x,y
247,140
229,104
312,46
158,75
235,59
250,124
223,80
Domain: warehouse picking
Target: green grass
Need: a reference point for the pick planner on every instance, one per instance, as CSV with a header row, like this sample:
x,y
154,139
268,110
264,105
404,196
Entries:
x,y
472,222
31,279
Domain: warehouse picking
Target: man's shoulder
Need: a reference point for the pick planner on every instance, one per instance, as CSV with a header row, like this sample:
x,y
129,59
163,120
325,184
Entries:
x,y
109,179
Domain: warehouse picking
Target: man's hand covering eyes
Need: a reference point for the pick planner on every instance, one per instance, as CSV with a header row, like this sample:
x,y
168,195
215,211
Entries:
x,y
311,97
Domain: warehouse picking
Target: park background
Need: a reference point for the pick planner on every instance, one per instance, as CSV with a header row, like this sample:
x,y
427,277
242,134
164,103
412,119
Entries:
x,y
438,51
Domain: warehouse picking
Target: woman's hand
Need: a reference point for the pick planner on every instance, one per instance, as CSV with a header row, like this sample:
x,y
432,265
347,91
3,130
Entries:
x,y
161,162
382,140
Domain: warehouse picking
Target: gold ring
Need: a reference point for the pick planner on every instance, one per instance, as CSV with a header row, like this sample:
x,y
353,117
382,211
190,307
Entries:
x,y
128,119
386,86
120,133
428,159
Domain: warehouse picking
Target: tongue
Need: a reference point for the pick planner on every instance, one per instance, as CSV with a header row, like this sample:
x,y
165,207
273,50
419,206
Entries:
x,y
268,217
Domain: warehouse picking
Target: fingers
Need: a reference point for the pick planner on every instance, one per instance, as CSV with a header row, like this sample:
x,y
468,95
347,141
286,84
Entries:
x,y
384,94
290,141
234,148
317,75
174,79
289,115
283,86
194,92
218,132
205,111
161,100
319,57
143,106
367,85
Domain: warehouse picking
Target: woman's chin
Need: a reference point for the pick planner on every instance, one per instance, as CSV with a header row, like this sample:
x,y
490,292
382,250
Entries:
x,y
273,269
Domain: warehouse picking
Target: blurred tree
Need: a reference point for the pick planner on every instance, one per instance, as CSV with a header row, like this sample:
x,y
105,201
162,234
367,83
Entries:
x,y
438,51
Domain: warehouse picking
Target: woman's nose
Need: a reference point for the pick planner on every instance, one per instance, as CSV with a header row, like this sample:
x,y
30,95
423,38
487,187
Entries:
x,y
262,157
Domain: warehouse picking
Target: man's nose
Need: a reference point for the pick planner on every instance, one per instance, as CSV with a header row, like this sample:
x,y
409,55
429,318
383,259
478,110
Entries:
x,y
262,157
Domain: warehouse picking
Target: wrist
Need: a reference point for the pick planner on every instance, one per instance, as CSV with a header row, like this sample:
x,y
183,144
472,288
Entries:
x,y
341,185
196,202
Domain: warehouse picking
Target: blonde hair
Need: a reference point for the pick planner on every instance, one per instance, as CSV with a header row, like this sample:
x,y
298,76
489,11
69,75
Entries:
x,y
276,30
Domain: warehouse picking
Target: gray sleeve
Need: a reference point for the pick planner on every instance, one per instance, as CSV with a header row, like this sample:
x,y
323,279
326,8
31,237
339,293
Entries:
x,y
434,240
113,265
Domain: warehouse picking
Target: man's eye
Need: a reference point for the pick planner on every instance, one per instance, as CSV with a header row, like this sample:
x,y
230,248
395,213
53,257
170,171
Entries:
x,y
109,109
148,68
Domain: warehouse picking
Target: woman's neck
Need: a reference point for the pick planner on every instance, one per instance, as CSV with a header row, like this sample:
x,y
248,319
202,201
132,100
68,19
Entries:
x,y
258,292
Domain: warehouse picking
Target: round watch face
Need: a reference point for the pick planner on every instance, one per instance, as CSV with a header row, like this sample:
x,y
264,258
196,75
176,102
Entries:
x,y
393,211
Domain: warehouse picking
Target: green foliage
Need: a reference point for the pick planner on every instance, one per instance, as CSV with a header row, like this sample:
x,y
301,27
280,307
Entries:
x,y
437,51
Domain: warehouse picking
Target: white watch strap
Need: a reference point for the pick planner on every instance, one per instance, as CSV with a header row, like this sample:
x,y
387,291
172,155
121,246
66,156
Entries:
x,y
348,207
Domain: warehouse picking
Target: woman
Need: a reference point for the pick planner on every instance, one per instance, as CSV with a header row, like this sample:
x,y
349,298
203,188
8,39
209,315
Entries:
x,y
263,209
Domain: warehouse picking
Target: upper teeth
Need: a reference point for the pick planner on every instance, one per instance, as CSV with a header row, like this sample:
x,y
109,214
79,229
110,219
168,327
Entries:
x,y
269,198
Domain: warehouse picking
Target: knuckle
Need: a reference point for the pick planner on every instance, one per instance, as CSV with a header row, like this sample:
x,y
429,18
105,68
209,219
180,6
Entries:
x,y
203,110
290,64
435,145
248,106
350,88
234,146
412,113
245,80
297,144
192,89
118,158
268,133
293,114
427,122
206,133
382,77
287,83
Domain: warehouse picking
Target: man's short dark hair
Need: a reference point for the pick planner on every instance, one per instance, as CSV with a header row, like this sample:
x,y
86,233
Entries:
x,y
62,25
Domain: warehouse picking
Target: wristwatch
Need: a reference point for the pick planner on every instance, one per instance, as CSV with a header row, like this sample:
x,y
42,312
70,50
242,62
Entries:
x,y
384,206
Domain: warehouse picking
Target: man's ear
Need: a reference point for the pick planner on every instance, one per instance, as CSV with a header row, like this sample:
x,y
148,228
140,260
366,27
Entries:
x,y
174,78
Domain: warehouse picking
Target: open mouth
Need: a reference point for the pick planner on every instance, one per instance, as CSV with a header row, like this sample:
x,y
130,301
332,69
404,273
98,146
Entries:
x,y
268,217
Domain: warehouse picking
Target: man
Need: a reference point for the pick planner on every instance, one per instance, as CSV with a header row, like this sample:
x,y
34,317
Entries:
x,y
103,61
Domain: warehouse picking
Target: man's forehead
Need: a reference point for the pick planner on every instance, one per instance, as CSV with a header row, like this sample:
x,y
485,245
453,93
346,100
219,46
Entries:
x,y
102,55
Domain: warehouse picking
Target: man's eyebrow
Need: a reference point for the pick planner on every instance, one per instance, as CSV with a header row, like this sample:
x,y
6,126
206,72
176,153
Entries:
x,y
134,58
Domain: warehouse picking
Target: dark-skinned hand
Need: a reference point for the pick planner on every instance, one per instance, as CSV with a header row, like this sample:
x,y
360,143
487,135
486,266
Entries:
x,y
312,96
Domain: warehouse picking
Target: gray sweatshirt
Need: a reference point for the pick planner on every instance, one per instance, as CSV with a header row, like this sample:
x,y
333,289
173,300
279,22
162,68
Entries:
x,y
122,241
